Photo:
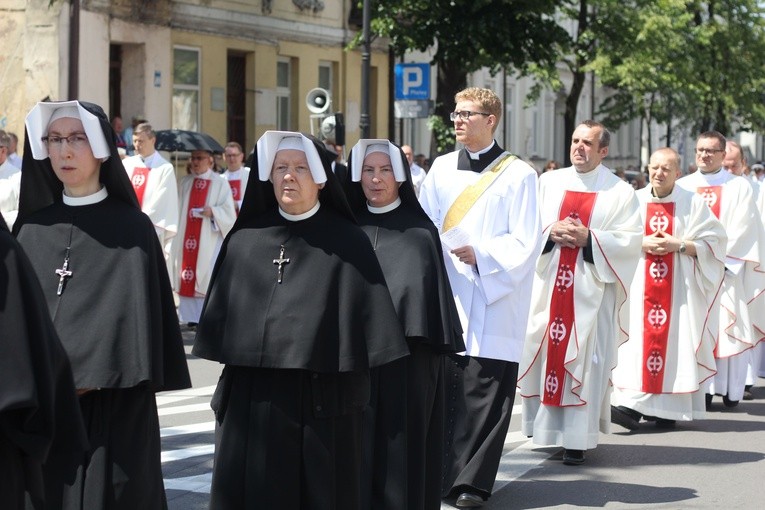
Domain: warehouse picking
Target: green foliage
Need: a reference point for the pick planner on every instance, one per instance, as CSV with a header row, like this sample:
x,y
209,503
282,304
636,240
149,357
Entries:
x,y
443,133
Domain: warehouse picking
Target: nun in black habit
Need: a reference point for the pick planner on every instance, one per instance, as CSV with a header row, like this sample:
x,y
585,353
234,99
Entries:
x,y
298,312
103,276
404,443
39,416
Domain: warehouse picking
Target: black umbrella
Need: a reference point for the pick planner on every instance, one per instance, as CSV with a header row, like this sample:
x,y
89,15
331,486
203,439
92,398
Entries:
x,y
187,141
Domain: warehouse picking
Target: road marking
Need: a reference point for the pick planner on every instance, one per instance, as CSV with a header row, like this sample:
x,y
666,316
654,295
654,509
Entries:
x,y
189,408
187,453
198,483
193,428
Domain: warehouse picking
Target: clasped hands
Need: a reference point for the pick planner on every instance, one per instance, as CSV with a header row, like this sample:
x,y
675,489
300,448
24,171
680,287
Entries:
x,y
569,233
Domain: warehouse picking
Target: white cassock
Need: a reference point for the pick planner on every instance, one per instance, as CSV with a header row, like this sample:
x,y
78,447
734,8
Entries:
x,y
600,316
160,197
418,176
503,228
211,237
10,183
693,316
238,182
742,320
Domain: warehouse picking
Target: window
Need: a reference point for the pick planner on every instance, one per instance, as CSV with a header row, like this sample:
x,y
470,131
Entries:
x,y
186,88
283,94
325,75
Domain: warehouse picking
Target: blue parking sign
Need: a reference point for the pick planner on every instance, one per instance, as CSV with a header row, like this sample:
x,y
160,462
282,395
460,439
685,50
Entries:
x,y
412,81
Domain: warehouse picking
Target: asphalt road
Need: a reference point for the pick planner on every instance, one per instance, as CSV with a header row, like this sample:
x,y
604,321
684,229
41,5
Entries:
x,y
717,463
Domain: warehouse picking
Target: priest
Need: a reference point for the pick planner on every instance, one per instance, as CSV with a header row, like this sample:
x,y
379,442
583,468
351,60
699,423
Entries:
x,y
155,185
40,421
405,432
742,322
674,300
103,276
236,173
483,200
207,215
298,312
579,314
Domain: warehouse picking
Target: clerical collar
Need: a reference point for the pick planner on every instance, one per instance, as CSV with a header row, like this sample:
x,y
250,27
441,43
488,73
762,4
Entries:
x,y
656,197
712,173
148,159
298,217
477,155
486,156
205,175
95,198
385,208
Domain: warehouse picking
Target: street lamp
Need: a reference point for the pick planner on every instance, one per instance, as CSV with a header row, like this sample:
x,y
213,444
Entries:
x,y
364,122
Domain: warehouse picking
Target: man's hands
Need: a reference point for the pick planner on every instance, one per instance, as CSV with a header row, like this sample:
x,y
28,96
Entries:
x,y
661,243
466,254
569,233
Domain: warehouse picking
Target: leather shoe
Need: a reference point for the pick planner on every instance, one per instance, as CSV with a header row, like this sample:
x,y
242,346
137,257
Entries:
x,y
469,500
662,423
728,402
573,457
748,395
625,417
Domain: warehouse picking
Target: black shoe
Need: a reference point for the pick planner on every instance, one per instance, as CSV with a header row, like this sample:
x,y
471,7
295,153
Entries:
x,y
625,417
573,457
708,401
728,402
661,423
748,395
469,500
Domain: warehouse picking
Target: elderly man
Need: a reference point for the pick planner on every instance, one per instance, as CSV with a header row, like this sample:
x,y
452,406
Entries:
x,y
742,322
418,173
579,314
298,312
207,214
483,200
155,185
236,173
673,319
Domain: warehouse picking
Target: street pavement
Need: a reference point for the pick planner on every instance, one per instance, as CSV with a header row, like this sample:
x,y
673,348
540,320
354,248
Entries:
x,y
717,463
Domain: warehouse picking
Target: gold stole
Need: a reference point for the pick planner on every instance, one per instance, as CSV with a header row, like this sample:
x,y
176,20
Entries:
x,y
472,193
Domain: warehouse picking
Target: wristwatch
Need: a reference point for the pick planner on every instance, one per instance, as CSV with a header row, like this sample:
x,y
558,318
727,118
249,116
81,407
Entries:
x,y
682,247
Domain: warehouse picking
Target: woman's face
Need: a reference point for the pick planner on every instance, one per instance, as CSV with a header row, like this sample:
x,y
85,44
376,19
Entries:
x,y
377,180
72,158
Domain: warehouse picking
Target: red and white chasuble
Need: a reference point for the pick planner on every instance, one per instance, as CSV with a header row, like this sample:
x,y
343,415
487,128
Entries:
x,y
197,200
560,327
138,180
657,295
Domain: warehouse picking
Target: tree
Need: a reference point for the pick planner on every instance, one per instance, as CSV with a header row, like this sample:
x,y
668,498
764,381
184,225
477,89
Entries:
x,y
469,35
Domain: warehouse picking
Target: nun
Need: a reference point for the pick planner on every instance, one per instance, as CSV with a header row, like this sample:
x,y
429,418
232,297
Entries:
x,y
404,443
298,312
107,291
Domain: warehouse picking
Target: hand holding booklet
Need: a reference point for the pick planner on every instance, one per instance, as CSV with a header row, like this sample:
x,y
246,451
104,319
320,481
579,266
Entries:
x,y
454,238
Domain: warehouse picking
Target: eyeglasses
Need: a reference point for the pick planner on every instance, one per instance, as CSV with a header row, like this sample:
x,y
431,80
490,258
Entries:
x,y
229,155
709,151
76,141
198,158
465,115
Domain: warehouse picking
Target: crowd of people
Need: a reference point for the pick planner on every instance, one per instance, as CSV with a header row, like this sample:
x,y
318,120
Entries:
x,y
374,321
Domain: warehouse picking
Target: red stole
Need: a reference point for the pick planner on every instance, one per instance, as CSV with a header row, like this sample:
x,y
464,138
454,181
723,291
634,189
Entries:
x,y
712,195
236,192
560,325
139,180
197,199
657,299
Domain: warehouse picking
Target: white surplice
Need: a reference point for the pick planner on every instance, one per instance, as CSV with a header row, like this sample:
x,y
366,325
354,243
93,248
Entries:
x,y
160,197
504,230
211,237
242,175
742,321
601,315
693,319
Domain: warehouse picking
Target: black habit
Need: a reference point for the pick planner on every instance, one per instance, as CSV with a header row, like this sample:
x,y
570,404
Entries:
x,y
116,318
404,443
39,415
297,352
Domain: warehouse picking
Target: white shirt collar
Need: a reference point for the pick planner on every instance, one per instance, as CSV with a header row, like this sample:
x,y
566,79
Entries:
x,y
297,217
95,198
385,208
